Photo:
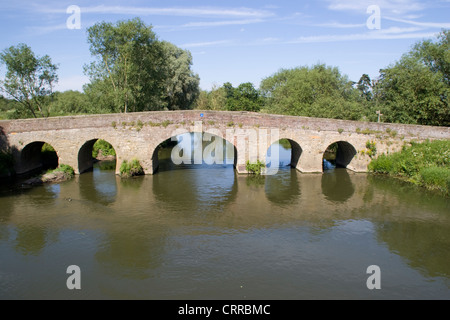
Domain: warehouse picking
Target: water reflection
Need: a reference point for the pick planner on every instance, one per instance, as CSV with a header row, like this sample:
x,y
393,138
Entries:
x,y
100,184
337,185
205,232
283,188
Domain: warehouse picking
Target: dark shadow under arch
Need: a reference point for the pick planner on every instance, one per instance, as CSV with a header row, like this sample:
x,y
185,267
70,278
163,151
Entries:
x,y
339,154
37,156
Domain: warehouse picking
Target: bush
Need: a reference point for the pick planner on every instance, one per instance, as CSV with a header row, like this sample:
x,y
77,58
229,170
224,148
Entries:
x,y
436,178
426,164
255,168
383,164
131,169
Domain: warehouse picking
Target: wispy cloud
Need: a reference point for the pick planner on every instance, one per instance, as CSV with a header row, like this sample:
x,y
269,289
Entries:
x,y
220,23
169,11
388,34
207,44
443,25
339,25
390,6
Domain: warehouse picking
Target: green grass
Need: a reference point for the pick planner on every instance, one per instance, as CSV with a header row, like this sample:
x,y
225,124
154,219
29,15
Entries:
x,y
426,164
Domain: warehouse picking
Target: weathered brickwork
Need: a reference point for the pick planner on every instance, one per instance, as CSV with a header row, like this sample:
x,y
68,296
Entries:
x,y
137,135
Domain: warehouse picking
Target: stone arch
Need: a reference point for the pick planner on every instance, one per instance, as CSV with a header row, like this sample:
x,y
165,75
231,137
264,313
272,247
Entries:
x,y
37,155
85,159
296,151
344,154
170,140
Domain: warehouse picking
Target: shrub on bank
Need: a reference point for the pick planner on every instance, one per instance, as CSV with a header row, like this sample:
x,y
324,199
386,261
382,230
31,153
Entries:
x,y
131,169
65,169
426,164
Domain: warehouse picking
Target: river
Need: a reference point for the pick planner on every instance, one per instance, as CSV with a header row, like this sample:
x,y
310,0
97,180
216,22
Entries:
x,y
205,232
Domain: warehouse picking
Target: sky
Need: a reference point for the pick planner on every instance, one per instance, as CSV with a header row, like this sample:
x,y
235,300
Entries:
x,y
233,41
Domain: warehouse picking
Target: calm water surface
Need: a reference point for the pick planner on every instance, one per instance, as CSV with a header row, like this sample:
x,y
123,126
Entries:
x,y
204,232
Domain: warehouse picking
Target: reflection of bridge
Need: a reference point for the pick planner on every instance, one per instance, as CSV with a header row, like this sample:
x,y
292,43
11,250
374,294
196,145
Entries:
x,y
138,135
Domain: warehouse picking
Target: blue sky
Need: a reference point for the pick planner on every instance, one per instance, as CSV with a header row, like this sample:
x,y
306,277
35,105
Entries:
x,y
235,41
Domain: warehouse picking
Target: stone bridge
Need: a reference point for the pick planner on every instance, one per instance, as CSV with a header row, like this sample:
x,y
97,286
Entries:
x,y
138,136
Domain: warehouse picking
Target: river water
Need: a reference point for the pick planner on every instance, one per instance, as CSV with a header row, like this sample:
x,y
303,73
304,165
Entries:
x,y
205,232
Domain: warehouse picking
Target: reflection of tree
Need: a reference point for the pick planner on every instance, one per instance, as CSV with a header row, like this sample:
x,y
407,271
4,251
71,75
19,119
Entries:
x,y
424,244
283,187
132,253
30,239
420,234
99,186
337,185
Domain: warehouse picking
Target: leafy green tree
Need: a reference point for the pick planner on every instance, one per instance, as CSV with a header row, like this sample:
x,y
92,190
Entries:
x,y
29,79
70,103
126,71
320,91
182,85
134,71
243,98
415,89
364,85
212,100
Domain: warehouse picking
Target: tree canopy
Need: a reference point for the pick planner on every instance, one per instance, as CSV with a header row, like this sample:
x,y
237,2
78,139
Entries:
x,y
134,71
317,91
416,88
29,79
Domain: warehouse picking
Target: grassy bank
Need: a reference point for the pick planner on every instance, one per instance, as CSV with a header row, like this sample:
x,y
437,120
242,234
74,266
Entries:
x,y
426,164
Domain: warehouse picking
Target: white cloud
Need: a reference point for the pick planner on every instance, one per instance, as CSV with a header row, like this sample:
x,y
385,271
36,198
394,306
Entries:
x,y
443,25
388,34
390,6
206,44
220,23
175,11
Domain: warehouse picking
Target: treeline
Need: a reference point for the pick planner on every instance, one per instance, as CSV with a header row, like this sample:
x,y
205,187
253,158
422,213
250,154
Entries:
x,y
131,71
413,90
134,71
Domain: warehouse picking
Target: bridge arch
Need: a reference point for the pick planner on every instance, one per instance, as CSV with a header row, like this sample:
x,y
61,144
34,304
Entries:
x,y
339,154
37,155
208,137
85,158
295,152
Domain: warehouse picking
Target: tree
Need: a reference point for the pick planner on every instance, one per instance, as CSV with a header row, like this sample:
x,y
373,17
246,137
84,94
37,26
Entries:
x,y
136,72
364,85
29,79
415,89
243,98
126,70
320,91
182,85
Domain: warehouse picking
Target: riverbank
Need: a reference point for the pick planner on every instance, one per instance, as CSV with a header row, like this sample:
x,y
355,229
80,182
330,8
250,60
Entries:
x,y
60,174
426,164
